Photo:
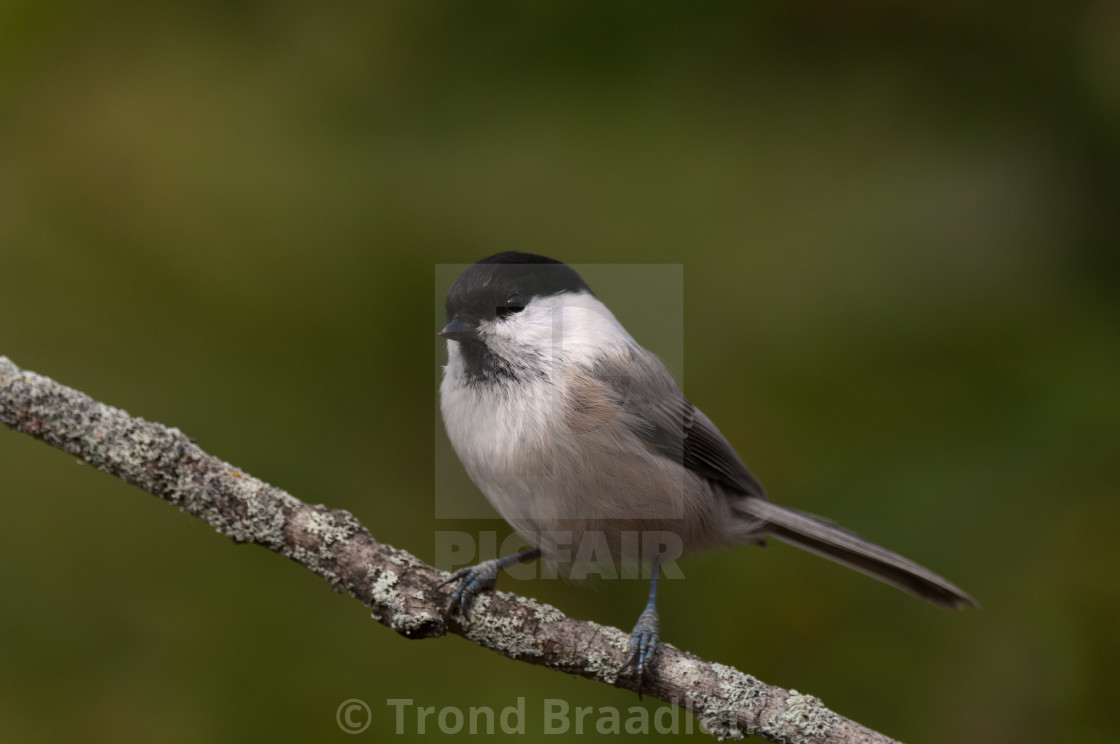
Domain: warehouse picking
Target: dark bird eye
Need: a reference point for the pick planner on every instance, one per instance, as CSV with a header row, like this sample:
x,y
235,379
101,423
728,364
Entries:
x,y
514,304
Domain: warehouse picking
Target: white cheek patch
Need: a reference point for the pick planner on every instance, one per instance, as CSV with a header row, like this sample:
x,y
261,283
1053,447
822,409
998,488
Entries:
x,y
572,328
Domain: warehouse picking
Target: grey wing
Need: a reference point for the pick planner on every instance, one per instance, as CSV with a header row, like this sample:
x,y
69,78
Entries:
x,y
656,410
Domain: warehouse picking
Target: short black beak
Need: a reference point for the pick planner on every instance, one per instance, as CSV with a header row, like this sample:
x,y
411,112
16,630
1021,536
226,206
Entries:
x,y
458,330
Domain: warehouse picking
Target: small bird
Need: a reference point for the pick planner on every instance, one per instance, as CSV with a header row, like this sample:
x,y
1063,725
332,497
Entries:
x,y
582,441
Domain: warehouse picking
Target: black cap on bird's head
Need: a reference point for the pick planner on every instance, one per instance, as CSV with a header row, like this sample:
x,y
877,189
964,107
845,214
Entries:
x,y
501,285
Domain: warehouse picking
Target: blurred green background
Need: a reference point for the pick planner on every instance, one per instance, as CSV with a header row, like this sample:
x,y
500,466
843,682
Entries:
x,y
899,232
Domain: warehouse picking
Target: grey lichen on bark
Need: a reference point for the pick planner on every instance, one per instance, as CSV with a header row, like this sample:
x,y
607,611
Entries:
x,y
401,591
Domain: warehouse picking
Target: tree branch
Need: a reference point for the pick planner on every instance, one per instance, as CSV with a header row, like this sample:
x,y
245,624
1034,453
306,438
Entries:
x,y
401,590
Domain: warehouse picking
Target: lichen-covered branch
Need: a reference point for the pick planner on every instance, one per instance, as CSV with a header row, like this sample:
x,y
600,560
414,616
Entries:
x,y
401,591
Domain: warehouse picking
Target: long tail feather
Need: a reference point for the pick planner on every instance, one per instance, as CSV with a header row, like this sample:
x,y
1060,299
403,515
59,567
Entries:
x,y
818,536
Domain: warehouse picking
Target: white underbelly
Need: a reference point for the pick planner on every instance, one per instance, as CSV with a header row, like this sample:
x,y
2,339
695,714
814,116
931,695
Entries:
x,y
554,485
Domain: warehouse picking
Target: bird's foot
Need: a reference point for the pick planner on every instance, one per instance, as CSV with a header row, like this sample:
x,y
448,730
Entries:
x,y
473,580
643,644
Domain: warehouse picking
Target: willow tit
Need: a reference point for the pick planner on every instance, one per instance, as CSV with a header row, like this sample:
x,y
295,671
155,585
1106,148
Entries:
x,y
582,441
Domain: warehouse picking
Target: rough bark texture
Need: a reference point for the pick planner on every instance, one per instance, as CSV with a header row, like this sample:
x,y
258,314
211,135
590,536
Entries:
x,y
401,591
